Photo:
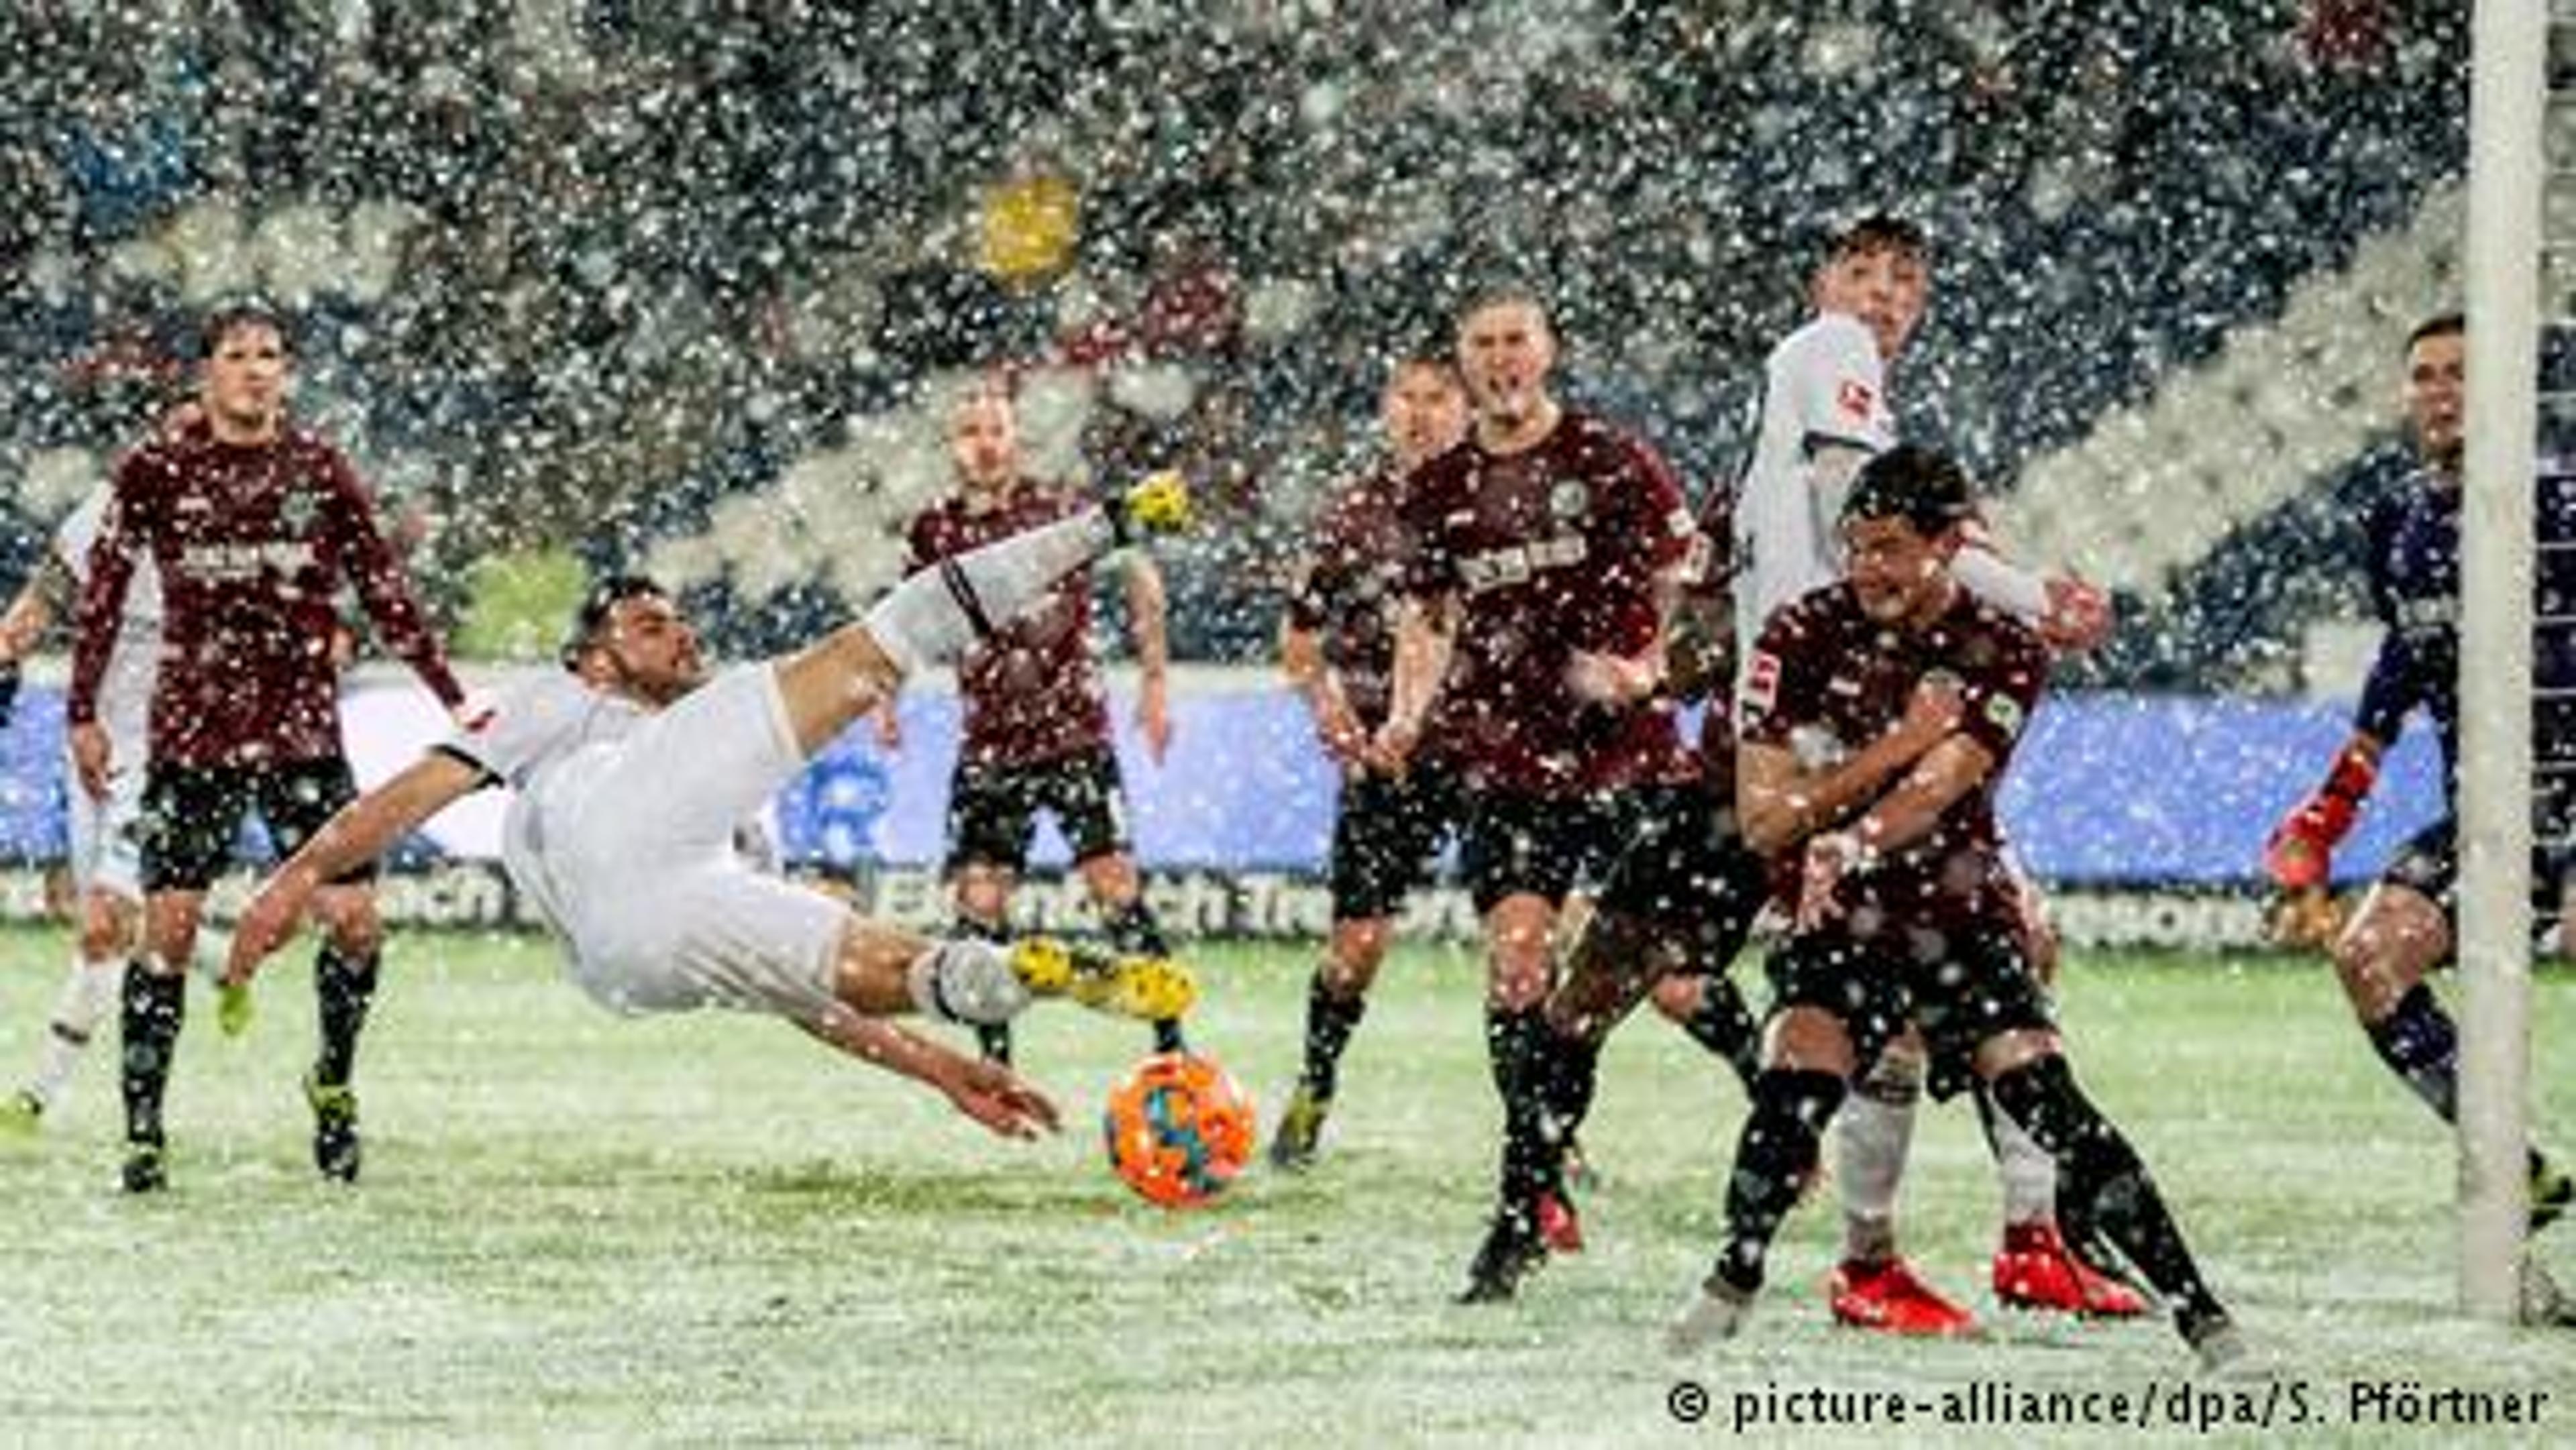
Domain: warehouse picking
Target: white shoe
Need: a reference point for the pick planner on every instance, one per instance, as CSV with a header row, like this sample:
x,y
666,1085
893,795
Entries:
x,y
967,981
1717,1310
2221,1349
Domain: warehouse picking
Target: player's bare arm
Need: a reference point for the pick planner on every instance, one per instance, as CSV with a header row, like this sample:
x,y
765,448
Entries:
x,y
46,597
361,831
1906,813
989,1093
1426,632
1148,615
1301,659
1781,802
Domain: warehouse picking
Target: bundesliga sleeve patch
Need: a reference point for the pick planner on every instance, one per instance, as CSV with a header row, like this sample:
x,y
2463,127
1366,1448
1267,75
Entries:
x,y
1855,398
1761,683
2005,712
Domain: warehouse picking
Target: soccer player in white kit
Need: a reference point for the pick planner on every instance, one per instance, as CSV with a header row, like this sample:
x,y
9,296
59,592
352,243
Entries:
x,y
1825,412
106,860
631,775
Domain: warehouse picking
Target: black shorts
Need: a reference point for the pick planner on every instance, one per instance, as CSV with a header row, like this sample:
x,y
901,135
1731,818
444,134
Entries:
x,y
1977,988
1688,871
192,816
2429,863
1386,832
993,809
1546,845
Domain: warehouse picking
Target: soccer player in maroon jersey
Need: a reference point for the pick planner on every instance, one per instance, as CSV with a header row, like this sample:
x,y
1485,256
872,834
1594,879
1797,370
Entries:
x,y
254,523
1548,545
1877,718
1037,718
1337,647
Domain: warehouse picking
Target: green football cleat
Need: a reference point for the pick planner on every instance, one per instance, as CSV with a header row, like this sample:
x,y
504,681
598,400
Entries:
x,y
1300,1134
1148,988
1158,503
335,1129
22,1116
233,1008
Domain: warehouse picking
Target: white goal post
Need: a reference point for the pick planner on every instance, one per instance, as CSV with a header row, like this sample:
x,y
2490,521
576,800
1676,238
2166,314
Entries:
x,y
2508,111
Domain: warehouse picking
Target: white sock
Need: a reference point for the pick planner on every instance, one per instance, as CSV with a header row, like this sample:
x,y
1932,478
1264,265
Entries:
x,y
1872,1137
88,991
937,613
966,981
2028,1174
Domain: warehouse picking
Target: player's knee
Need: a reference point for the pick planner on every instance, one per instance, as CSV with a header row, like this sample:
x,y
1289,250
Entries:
x,y
1808,1039
107,929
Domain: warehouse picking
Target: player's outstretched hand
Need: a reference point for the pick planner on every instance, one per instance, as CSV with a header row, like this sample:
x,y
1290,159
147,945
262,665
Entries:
x,y
1001,1099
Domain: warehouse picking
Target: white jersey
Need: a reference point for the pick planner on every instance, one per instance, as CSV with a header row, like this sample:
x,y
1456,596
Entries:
x,y
125,692
550,741
1823,387
624,832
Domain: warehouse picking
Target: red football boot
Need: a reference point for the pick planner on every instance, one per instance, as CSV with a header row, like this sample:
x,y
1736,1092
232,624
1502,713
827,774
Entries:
x,y
1886,1297
2035,1270
1558,1225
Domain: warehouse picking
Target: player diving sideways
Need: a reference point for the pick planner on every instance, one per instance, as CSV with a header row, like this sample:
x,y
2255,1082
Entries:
x,y
632,768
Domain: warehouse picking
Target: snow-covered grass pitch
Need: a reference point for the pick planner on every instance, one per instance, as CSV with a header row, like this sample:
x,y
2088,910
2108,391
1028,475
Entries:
x,y
573,1227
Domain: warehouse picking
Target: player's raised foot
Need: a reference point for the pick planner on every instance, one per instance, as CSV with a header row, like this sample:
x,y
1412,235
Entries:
x,y
1560,1228
1717,1310
146,1169
2035,1270
335,1129
22,1116
1510,1250
1300,1134
2552,1192
1148,988
1887,1298
1158,503
233,1007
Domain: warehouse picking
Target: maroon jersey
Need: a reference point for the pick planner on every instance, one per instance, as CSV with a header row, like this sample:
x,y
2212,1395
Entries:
x,y
1348,585
1709,595
1826,679
1032,692
253,543
1553,549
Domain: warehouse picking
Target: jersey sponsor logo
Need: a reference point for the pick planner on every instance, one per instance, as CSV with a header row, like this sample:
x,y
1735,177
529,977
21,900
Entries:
x,y
1855,399
228,563
1518,564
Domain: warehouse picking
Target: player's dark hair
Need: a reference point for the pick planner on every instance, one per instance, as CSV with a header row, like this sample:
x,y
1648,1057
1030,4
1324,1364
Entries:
x,y
2440,324
1928,490
601,601
1506,294
220,320
1878,232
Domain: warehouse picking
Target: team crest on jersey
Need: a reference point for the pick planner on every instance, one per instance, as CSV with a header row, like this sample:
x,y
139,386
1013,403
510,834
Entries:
x,y
297,512
1855,398
2005,712
1568,501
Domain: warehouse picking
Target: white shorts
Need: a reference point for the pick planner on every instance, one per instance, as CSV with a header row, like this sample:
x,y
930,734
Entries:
x,y
106,843
665,915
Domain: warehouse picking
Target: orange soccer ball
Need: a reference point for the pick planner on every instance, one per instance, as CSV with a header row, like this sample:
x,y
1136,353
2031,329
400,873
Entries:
x,y
1179,1129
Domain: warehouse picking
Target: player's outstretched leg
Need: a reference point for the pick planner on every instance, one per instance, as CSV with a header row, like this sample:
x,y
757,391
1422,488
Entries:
x,y
1777,1152
1334,1007
2105,1183
155,1006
